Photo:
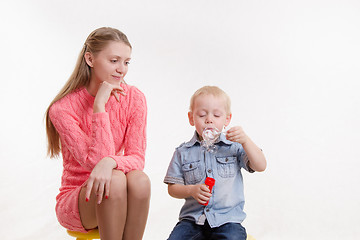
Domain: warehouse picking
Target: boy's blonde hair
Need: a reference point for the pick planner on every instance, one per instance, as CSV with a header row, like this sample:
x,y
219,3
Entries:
x,y
211,90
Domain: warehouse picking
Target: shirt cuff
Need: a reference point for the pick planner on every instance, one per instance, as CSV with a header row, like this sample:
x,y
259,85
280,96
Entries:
x,y
174,180
247,165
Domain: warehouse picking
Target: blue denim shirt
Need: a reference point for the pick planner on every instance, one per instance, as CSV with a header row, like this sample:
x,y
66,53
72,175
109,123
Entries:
x,y
191,164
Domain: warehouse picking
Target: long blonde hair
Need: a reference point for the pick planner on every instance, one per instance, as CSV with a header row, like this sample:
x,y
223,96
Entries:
x,y
80,77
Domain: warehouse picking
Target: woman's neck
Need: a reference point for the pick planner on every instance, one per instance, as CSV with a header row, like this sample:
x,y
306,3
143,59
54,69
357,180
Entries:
x,y
93,87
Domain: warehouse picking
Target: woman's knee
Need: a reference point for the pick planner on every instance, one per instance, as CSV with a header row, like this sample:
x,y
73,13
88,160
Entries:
x,y
118,185
139,185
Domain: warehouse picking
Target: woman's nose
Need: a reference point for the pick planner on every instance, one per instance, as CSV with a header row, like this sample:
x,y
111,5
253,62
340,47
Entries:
x,y
120,69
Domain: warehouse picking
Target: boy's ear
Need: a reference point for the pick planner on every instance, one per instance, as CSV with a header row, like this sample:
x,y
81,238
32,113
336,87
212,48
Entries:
x,y
191,118
89,59
228,119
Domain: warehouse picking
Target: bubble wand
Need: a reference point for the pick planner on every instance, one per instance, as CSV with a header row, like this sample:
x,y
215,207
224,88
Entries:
x,y
210,135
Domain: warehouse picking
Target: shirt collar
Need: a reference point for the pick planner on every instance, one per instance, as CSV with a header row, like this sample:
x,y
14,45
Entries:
x,y
195,139
223,139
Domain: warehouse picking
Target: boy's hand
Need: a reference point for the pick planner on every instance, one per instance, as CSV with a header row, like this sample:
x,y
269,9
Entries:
x,y
236,134
200,193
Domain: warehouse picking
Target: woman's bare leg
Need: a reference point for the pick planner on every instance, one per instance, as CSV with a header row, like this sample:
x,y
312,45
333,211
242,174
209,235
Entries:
x,y
138,195
110,215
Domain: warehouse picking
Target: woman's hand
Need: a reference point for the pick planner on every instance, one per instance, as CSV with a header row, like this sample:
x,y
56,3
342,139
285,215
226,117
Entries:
x,y
200,193
99,179
103,94
237,134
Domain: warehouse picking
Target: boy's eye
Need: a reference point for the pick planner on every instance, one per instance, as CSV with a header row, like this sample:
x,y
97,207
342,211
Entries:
x,y
127,63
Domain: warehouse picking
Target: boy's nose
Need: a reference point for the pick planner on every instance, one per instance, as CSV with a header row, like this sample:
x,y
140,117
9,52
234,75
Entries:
x,y
208,120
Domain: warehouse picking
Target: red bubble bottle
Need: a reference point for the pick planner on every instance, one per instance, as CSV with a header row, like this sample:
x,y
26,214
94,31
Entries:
x,y
209,182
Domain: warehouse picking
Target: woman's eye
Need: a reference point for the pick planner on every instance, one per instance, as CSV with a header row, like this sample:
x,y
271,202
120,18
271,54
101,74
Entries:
x,y
113,60
127,63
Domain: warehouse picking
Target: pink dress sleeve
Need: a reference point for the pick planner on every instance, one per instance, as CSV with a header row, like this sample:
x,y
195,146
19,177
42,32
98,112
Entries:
x,y
86,150
133,155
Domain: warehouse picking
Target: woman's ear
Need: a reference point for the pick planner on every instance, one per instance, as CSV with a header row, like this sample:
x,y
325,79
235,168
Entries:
x,y
191,118
228,119
89,59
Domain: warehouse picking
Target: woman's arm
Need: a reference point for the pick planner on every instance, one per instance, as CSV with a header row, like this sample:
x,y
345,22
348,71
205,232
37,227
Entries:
x,y
87,150
133,156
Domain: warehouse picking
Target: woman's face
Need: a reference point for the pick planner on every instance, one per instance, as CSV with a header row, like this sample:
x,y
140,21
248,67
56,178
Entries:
x,y
110,64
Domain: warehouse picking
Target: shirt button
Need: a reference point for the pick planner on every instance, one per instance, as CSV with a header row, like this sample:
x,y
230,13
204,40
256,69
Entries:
x,y
207,210
226,160
209,171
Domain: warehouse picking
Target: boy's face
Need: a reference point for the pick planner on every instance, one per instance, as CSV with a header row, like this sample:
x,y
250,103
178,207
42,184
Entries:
x,y
209,112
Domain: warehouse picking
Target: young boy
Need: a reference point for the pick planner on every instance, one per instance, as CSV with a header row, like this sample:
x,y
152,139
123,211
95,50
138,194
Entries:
x,y
191,163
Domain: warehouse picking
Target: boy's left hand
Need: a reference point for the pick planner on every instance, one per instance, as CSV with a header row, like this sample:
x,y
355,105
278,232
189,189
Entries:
x,y
236,134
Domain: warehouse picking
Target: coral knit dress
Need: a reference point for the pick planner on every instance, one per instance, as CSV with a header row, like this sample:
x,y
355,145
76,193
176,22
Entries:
x,y
87,137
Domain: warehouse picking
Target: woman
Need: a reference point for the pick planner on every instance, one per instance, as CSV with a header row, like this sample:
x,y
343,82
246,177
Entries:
x,y
98,122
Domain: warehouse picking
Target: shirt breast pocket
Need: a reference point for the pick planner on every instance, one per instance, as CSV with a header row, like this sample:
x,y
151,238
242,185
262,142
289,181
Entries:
x,y
226,166
192,172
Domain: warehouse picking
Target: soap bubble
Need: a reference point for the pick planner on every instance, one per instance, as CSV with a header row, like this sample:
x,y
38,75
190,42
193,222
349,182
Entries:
x,y
210,135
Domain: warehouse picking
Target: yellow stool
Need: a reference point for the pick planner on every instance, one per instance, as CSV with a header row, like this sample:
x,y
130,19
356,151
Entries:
x,y
92,234
249,237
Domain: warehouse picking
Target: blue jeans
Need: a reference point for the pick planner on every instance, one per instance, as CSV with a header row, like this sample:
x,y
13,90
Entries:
x,y
186,230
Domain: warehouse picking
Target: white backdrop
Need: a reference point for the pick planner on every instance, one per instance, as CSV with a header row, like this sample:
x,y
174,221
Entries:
x,y
290,67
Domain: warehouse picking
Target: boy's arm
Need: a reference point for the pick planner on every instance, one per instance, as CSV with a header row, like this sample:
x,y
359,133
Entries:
x,y
200,192
257,161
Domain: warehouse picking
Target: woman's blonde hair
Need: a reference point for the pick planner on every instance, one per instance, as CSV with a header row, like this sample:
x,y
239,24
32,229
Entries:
x,y
80,77
211,90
